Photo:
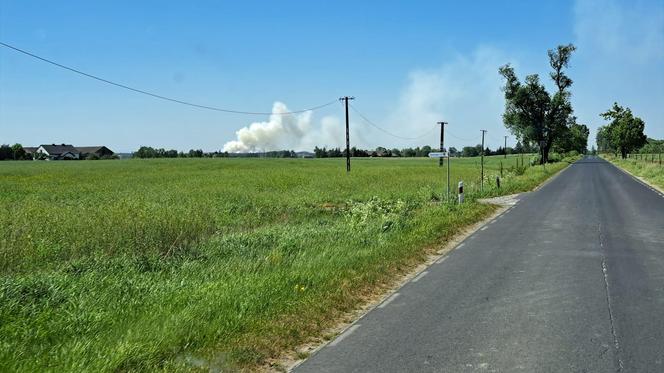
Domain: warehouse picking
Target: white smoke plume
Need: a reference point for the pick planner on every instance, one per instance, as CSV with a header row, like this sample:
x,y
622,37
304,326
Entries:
x,y
465,90
287,132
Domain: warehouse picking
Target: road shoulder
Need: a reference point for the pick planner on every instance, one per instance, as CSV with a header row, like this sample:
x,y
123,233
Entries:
x,y
639,179
293,359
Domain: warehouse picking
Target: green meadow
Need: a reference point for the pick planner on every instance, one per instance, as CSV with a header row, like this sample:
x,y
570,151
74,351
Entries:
x,y
199,264
647,166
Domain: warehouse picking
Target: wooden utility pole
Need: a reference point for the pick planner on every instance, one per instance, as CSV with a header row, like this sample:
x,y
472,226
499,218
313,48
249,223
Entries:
x,y
505,148
441,161
345,100
482,161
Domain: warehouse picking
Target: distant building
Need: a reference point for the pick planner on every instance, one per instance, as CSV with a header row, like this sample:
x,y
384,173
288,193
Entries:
x,y
305,155
99,151
68,152
59,152
30,150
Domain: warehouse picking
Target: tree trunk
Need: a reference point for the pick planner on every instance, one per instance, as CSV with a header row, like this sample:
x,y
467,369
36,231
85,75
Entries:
x,y
623,153
545,154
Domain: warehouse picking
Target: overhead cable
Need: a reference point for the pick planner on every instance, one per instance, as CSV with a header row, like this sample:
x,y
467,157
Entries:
x,y
161,97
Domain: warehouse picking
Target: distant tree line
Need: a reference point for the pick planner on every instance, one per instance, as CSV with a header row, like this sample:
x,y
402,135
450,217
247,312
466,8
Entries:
x,y
13,152
149,152
466,151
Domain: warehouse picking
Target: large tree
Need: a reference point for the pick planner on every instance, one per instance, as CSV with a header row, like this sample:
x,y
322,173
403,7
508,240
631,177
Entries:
x,y
531,113
603,138
574,139
19,152
625,131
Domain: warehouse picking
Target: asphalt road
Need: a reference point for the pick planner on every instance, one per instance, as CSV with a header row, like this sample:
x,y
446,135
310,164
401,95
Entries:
x,y
571,279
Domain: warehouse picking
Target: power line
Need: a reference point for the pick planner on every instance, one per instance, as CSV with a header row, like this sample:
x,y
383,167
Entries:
x,y
457,137
154,95
388,132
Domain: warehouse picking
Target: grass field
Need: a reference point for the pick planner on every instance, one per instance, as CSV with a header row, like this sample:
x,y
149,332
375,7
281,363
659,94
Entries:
x,y
650,170
188,264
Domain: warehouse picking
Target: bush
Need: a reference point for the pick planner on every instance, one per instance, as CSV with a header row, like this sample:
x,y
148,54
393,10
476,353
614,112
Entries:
x,y
553,158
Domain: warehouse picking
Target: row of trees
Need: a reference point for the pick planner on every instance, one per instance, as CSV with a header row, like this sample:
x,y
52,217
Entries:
x,y
466,151
13,152
378,152
536,116
149,152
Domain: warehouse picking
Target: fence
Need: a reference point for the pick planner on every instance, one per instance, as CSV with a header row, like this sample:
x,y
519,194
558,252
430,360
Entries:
x,y
649,158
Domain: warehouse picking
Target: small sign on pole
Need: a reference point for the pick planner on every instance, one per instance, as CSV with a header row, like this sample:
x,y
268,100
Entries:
x,y
438,155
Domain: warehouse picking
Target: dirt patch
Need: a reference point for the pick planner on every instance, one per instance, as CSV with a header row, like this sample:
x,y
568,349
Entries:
x,y
509,200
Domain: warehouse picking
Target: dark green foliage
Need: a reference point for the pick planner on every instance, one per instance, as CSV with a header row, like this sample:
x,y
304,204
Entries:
x,y
652,146
624,132
531,113
574,139
604,144
14,152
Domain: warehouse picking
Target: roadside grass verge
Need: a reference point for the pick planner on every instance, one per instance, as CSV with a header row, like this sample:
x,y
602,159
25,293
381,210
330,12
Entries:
x,y
184,265
650,171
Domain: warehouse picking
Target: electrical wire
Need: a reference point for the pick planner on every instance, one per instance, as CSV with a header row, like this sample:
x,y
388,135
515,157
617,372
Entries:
x,y
457,137
154,95
386,131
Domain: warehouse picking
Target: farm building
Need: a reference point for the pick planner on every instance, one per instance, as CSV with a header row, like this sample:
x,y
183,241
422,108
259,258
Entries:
x,y
59,152
30,150
98,151
67,152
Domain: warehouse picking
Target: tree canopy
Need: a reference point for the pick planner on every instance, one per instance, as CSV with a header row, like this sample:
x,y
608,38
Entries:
x,y
624,133
575,139
531,113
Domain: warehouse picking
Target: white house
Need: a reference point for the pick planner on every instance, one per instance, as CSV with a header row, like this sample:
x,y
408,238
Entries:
x,y
59,152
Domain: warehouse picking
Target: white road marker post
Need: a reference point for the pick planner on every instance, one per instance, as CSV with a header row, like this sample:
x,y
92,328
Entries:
x,y
460,192
442,155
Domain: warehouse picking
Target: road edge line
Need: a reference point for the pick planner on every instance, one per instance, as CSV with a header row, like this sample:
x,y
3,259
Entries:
x,y
454,242
636,177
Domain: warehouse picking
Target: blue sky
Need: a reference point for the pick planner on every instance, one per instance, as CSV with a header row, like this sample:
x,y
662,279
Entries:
x,y
409,63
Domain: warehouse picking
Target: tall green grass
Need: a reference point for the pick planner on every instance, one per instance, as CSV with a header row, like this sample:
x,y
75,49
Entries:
x,y
192,264
648,169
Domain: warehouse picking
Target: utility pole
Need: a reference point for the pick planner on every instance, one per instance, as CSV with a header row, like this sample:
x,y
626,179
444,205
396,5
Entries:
x,y
448,173
482,161
441,161
505,148
345,100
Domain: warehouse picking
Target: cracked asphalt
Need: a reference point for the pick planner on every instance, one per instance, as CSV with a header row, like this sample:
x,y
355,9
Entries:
x,y
570,279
